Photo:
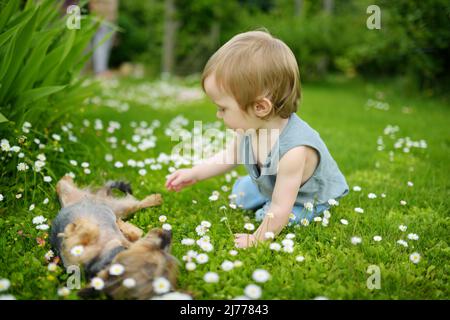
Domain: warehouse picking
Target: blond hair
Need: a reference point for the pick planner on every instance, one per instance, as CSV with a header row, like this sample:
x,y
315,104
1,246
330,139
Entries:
x,y
255,65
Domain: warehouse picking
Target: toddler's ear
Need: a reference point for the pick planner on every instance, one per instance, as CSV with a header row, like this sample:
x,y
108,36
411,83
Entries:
x,y
262,107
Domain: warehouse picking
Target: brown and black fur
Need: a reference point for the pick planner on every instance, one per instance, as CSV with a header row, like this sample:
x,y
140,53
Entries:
x,y
93,219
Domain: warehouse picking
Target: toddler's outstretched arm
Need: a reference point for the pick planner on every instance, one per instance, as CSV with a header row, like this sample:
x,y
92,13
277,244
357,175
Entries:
x,y
220,163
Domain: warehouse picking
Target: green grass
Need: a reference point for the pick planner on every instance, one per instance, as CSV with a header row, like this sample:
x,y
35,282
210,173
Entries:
x,y
333,266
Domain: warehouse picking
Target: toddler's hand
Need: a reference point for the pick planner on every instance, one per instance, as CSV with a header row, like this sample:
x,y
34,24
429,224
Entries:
x,y
180,179
244,240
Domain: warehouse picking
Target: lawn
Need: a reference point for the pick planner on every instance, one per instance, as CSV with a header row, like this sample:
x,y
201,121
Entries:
x,y
394,147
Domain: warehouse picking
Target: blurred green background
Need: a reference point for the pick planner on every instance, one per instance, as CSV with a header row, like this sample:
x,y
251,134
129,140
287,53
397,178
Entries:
x,y
328,36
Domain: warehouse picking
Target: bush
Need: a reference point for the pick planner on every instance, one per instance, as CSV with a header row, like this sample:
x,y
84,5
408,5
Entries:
x,y
41,61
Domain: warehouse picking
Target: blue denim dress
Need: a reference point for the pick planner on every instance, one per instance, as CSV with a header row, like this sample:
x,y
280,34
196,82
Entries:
x,y
254,191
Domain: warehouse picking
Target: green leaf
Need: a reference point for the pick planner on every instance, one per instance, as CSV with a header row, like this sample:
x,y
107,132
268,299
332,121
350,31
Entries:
x,y
23,40
38,93
7,12
3,118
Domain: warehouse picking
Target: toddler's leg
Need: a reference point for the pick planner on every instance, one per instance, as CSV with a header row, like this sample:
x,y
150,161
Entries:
x,y
247,194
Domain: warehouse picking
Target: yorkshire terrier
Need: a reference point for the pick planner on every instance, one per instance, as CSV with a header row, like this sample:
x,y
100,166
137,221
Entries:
x,y
91,222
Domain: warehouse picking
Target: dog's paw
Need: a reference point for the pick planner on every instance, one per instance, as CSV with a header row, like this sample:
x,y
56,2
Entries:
x,y
153,200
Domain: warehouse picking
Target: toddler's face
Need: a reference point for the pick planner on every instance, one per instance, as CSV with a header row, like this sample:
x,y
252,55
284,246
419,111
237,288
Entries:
x,y
228,108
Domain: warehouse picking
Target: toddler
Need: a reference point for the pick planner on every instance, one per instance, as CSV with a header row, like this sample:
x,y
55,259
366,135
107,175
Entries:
x,y
254,81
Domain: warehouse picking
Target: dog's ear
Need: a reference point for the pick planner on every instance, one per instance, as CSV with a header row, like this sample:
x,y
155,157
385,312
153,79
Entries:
x,y
163,238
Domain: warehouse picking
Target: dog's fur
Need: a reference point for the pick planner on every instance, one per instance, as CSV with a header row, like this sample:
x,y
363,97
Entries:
x,y
94,221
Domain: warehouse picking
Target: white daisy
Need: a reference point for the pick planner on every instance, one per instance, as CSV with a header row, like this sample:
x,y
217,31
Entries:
x,y
275,246
47,179
413,236
410,184
62,292
237,263
371,195
43,227
304,222
357,188
116,269
260,275
288,249
377,238
415,258
5,146
162,218
205,224
300,258
402,243
333,202
402,227
45,201
403,202
214,197
253,291
356,240
22,166
161,285
50,254
227,265
167,226
4,284
233,252
317,219
249,226
97,283
73,162
129,283
211,277
187,242
290,236
52,267
190,266
269,235
344,222
308,206
77,251
206,246
1,197
326,214
287,243
359,210
202,258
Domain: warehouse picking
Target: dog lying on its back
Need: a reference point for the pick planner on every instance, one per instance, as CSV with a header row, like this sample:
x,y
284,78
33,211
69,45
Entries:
x,y
89,231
